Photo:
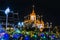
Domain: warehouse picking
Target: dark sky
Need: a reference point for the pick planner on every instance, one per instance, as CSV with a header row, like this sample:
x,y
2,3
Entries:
x,y
49,9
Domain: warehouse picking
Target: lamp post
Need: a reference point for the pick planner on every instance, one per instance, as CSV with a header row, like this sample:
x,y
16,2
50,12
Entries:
x,y
6,12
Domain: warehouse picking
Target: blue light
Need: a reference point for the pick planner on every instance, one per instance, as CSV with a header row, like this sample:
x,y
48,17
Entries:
x,y
42,35
2,39
17,35
7,11
6,36
53,36
27,38
2,31
21,35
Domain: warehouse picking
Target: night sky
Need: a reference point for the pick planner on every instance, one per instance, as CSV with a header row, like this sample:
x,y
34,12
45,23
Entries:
x,y
49,9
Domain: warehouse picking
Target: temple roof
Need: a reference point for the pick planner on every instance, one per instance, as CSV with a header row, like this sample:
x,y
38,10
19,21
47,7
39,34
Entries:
x,y
33,12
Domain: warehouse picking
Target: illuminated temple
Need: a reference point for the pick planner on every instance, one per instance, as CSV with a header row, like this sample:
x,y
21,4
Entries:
x,y
38,22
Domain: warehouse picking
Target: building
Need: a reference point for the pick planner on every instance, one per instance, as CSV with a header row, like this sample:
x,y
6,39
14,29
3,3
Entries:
x,y
12,19
36,21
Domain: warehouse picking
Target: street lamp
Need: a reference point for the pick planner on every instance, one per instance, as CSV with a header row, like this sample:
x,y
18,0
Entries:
x,y
6,12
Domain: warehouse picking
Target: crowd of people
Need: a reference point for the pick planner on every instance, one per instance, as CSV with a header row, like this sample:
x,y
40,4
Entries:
x,y
28,36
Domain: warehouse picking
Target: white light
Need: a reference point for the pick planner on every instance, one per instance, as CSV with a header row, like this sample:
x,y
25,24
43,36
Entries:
x,y
33,25
20,24
40,25
1,34
7,11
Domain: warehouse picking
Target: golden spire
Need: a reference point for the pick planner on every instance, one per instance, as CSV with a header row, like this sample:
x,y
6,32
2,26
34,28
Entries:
x,y
33,9
33,12
33,15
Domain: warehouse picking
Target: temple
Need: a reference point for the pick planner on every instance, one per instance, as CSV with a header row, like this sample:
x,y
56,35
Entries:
x,y
36,21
